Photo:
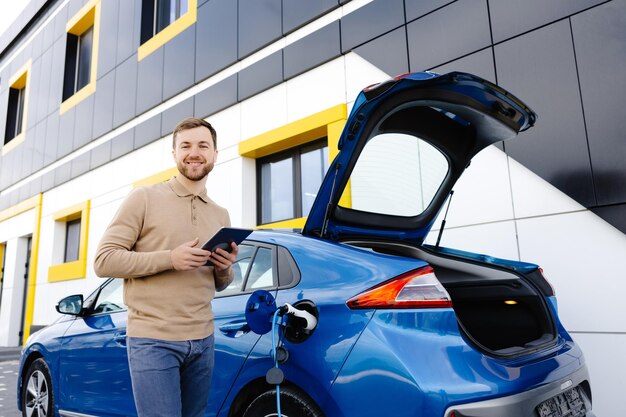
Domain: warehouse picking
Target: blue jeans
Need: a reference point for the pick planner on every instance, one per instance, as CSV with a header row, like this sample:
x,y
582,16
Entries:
x,y
171,379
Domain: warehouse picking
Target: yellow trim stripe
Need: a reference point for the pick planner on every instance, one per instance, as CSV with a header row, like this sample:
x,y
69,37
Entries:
x,y
157,178
285,224
169,32
20,208
294,134
2,249
32,275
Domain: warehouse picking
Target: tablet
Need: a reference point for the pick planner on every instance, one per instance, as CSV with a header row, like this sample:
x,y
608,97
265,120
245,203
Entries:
x,y
222,239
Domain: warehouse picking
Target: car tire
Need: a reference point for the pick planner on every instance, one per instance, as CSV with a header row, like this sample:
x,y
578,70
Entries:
x,y
37,397
292,404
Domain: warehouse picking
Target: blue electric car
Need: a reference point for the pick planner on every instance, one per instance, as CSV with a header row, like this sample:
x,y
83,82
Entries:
x,y
403,328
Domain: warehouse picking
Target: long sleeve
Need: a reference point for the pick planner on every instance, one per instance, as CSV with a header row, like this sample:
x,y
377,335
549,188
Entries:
x,y
116,256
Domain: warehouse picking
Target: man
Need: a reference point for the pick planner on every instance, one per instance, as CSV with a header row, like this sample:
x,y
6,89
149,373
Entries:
x,y
153,242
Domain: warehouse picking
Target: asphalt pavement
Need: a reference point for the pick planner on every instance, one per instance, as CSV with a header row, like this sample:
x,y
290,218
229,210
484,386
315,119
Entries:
x,y
8,384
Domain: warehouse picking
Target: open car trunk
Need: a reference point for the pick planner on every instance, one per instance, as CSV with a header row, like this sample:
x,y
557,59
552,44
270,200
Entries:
x,y
503,312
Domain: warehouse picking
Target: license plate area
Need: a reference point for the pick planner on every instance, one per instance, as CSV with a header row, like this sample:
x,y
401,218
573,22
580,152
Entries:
x,y
569,403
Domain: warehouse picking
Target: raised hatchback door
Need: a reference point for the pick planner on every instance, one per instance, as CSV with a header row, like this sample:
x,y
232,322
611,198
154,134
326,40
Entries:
x,y
406,143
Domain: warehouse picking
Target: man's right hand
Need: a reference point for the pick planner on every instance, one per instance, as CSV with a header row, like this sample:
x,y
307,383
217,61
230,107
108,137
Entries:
x,y
187,256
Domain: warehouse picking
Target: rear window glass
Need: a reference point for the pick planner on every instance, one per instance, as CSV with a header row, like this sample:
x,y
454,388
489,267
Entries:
x,y
396,174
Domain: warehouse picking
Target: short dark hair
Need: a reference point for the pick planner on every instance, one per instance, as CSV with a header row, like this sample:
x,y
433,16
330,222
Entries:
x,y
190,123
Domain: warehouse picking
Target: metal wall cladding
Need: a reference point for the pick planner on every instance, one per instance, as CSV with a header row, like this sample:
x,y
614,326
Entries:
x,y
565,58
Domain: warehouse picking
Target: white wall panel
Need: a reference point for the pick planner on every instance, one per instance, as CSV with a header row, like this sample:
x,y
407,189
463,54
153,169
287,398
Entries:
x,y
316,90
359,74
494,239
264,112
583,258
534,196
20,225
483,193
227,123
606,361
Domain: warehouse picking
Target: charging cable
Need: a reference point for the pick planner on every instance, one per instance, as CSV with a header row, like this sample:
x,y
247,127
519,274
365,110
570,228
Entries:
x,y
276,313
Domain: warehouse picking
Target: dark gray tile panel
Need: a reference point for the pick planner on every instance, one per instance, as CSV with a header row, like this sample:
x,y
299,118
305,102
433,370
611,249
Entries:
x,y
127,33
39,145
299,12
389,52
35,186
262,75
84,122
37,45
52,137
216,37
150,81
175,114
107,51
34,94
313,50
147,132
56,75
615,215
179,65
259,24
6,169
449,33
125,91
28,148
16,172
100,155
74,6
62,174
122,144
41,104
216,98
512,17
14,198
80,165
600,43
479,63
368,22
103,105
60,23
47,181
66,133
539,68
418,8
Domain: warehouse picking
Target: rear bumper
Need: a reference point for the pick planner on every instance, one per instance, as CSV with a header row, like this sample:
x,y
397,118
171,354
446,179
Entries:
x,y
523,404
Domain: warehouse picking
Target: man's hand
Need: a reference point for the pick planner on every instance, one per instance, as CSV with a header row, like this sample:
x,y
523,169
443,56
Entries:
x,y
222,259
187,256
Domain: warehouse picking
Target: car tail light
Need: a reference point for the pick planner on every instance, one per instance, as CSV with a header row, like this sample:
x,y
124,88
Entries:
x,y
415,289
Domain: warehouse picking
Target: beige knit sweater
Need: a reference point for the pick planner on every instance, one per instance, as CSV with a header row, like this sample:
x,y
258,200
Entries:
x,y
163,303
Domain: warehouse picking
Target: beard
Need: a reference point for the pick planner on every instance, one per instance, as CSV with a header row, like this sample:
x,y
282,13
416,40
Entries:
x,y
192,174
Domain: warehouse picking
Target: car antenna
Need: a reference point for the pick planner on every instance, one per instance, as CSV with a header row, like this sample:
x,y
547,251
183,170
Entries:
x,y
330,202
443,222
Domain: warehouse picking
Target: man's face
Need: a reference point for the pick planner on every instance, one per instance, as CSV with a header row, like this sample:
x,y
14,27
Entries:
x,y
194,153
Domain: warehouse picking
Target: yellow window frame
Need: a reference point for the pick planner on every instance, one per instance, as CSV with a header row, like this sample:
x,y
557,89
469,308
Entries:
x,y
169,32
329,123
75,269
19,80
87,16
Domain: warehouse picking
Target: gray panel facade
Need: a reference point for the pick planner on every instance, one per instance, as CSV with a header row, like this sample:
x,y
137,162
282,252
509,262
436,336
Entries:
x,y
312,51
370,21
216,37
260,23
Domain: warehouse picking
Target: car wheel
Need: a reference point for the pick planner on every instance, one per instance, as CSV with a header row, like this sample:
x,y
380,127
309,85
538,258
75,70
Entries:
x,y
37,391
292,404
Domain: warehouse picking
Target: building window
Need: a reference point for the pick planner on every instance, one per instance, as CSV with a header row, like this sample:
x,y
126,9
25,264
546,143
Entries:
x,y
289,181
72,240
69,249
81,50
161,20
16,109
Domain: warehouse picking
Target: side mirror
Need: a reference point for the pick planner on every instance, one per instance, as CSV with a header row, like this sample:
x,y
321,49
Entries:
x,y
71,305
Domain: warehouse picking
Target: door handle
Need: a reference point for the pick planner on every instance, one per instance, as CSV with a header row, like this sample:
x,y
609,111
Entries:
x,y
120,338
235,328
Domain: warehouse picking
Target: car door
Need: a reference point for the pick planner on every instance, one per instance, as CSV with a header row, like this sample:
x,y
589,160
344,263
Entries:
x,y
256,268
94,377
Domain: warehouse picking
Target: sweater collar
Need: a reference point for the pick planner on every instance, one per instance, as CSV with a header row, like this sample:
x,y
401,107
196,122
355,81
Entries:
x,y
181,191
